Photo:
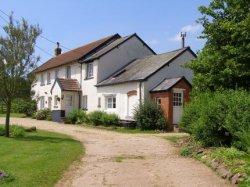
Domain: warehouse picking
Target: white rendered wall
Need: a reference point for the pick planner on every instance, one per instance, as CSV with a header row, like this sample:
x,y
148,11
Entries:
x,y
120,91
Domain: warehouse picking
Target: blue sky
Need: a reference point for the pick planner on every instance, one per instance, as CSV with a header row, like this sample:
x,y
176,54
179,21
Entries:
x,y
76,22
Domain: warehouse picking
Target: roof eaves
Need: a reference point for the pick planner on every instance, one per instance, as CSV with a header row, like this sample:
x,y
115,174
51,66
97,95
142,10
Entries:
x,y
116,83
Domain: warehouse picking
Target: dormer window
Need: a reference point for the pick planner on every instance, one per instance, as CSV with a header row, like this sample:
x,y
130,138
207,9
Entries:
x,y
68,72
89,73
48,78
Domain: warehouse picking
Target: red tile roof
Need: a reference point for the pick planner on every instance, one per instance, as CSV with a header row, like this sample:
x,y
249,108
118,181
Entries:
x,y
76,54
69,85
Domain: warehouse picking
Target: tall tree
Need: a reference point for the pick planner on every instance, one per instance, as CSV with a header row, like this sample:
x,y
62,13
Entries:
x,y
17,60
224,61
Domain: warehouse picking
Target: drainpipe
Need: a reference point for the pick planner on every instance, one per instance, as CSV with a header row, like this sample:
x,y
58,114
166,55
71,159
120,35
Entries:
x,y
80,93
140,91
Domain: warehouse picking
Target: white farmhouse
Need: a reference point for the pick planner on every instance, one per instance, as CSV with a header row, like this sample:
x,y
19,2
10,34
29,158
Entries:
x,y
114,74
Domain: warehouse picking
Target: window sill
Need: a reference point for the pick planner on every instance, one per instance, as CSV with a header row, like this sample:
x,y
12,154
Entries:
x,y
88,78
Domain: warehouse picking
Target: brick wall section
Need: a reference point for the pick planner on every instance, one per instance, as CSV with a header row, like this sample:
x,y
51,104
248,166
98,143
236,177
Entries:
x,y
166,100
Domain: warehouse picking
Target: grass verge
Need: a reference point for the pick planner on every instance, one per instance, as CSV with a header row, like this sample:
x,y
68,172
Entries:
x,y
234,160
14,115
38,159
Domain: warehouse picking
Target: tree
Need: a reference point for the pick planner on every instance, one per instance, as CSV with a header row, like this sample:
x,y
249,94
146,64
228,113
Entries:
x,y
224,61
17,60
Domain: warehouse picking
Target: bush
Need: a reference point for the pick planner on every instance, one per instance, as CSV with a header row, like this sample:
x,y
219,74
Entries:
x,y
2,130
219,118
149,116
77,117
186,151
103,118
96,117
15,131
44,114
110,119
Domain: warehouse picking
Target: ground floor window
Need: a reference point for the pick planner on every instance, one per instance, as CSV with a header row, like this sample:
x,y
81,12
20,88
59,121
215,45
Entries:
x,y
111,101
85,102
55,101
158,101
177,99
42,102
69,100
99,102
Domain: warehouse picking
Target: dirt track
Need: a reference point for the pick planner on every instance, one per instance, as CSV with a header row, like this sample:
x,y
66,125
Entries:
x,y
116,159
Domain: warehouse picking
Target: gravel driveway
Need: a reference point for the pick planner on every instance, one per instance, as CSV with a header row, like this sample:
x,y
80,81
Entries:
x,y
116,159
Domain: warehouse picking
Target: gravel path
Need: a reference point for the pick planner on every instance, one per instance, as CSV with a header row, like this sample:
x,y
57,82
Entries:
x,y
116,159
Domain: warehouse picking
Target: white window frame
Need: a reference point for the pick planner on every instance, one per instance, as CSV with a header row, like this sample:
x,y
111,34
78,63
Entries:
x,y
48,78
177,98
85,102
42,79
99,102
158,101
68,72
111,102
42,102
55,101
69,102
89,70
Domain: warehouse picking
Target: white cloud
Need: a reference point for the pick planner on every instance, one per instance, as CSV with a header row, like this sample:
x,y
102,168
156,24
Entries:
x,y
192,30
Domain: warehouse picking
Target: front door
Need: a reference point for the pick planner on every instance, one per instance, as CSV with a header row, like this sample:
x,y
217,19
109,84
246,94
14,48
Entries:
x,y
177,106
132,104
68,103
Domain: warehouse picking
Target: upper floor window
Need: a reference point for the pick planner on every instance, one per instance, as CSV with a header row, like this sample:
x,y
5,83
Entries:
x,y
56,73
89,73
68,72
42,79
48,78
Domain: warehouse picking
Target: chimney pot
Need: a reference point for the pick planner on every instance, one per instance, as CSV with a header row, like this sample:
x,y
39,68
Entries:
x,y
58,50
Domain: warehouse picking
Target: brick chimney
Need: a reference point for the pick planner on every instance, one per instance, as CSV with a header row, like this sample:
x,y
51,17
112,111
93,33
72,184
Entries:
x,y
58,50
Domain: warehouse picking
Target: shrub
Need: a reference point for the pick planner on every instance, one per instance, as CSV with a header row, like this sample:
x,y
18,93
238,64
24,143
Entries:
x,y
96,117
77,117
17,131
2,130
103,118
44,114
219,118
110,119
186,151
149,116
21,106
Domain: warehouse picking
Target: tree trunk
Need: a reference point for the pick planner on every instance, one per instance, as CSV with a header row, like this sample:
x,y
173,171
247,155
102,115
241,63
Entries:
x,y
7,119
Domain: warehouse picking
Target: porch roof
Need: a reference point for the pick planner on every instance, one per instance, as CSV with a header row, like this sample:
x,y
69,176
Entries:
x,y
67,84
168,83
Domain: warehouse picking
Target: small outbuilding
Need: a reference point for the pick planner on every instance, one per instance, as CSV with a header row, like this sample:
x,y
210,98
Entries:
x,y
171,95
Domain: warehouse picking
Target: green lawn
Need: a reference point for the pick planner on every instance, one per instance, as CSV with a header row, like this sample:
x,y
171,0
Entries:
x,y
14,115
39,159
